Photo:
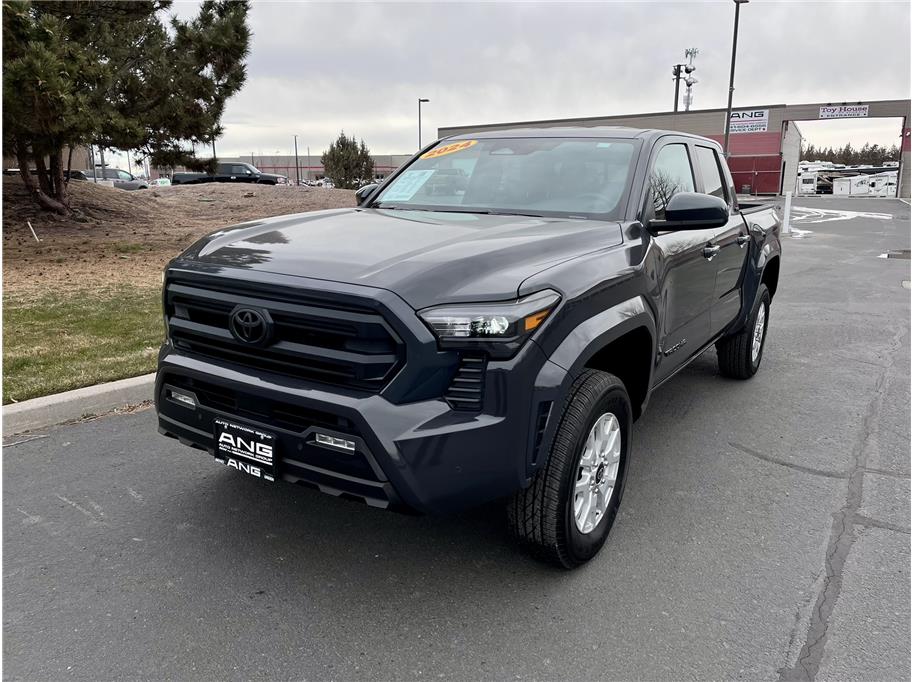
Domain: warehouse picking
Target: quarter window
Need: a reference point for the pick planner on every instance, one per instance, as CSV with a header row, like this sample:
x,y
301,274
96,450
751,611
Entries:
x,y
712,174
671,174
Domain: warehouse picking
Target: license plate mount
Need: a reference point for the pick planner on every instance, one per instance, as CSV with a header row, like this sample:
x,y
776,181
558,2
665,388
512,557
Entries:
x,y
246,448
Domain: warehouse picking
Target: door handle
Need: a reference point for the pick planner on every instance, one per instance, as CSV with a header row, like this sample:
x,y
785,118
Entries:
x,y
709,252
743,239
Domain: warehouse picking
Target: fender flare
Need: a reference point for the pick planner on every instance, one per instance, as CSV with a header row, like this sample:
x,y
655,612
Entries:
x,y
769,250
599,330
569,359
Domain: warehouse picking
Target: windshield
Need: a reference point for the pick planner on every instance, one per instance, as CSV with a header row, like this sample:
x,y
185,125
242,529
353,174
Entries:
x,y
559,177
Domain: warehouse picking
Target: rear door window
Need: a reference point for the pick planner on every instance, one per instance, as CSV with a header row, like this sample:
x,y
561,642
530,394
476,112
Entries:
x,y
712,174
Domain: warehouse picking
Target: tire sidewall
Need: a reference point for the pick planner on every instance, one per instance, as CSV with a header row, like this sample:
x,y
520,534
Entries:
x,y
583,547
763,302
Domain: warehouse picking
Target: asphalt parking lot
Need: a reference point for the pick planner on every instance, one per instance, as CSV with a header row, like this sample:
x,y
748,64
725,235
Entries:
x,y
764,532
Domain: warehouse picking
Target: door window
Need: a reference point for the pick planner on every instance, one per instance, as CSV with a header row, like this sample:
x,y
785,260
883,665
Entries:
x,y
671,173
712,174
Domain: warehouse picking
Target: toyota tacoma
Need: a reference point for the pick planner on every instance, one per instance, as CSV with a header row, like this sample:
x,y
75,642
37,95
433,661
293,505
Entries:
x,y
486,324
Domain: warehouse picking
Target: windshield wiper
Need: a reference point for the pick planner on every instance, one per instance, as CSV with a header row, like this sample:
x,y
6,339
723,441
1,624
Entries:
x,y
396,208
479,211
484,211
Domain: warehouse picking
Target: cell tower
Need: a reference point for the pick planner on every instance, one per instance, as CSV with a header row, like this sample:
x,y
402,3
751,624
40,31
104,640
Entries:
x,y
689,81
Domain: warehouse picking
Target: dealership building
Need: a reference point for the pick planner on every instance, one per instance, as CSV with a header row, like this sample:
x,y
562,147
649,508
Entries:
x,y
764,142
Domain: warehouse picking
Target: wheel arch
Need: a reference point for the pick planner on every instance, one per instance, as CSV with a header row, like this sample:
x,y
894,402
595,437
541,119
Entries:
x,y
770,275
629,358
620,340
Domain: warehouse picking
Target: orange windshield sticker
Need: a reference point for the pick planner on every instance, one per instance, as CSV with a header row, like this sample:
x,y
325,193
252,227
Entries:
x,y
449,149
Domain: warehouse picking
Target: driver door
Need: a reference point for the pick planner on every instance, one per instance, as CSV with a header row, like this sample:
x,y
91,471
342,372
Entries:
x,y
685,273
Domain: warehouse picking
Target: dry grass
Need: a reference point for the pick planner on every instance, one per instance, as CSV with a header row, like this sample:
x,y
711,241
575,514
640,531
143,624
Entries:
x,y
119,237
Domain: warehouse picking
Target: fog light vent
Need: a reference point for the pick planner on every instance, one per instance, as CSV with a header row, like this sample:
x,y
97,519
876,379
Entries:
x,y
334,443
183,398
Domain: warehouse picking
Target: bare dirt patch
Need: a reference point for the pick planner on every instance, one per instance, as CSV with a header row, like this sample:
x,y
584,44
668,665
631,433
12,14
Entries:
x,y
125,238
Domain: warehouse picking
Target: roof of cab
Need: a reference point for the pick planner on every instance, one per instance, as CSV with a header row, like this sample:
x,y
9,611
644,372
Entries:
x,y
616,132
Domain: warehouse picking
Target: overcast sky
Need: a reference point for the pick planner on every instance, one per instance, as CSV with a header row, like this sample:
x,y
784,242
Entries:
x,y
316,68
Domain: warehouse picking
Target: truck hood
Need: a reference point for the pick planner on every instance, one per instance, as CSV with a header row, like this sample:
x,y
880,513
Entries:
x,y
425,257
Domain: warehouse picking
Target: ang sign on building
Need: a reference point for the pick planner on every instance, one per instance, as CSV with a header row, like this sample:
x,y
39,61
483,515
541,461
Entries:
x,y
852,111
749,121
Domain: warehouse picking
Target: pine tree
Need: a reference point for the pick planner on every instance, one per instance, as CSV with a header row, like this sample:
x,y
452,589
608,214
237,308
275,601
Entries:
x,y
347,163
112,74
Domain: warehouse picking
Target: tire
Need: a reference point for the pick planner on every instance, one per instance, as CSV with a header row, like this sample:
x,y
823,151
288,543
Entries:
x,y
543,515
737,357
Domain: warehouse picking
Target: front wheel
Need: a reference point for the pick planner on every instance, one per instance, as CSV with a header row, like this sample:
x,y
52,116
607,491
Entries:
x,y
740,354
565,515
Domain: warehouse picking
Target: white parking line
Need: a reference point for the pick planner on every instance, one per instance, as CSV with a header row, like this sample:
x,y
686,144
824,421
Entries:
x,y
804,214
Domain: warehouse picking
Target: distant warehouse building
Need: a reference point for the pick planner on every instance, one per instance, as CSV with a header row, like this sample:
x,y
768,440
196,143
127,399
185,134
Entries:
x,y
765,141
311,168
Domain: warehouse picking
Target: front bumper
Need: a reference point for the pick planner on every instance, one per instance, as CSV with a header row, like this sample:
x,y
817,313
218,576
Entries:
x,y
422,456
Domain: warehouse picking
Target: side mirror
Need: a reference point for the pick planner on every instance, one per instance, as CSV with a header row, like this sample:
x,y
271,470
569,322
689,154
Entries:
x,y
692,211
362,194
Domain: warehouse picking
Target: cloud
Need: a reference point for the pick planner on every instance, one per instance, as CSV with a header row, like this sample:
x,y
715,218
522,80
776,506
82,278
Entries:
x,y
315,68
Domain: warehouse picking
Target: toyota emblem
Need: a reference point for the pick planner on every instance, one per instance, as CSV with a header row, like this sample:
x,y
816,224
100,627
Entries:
x,y
250,325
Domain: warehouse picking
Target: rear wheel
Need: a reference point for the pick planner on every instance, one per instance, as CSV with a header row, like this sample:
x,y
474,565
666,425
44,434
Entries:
x,y
740,354
565,515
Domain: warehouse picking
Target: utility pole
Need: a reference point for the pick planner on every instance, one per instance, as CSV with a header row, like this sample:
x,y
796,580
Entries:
x,y
252,163
420,100
308,163
676,72
297,167
731,79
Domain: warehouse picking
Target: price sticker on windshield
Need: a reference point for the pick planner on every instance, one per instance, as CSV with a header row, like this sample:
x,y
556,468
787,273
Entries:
x,y
449,149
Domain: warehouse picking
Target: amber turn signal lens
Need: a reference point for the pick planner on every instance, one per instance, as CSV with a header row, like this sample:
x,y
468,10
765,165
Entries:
x,y
533,321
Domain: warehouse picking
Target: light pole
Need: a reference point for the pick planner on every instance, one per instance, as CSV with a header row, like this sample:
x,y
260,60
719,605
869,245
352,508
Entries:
x,y
420,100
731,79
297,168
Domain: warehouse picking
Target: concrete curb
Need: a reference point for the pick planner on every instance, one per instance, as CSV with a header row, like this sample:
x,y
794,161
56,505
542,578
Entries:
x,y
55,409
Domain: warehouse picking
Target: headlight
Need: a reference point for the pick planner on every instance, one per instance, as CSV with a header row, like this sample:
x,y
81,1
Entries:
x,y
498,328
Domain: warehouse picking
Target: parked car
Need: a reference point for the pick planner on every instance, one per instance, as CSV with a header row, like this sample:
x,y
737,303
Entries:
x,y
228,172
431,351
121,178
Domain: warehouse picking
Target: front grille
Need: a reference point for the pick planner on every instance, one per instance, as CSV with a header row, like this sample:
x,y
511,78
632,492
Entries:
x,y
466,390
342,345
275,412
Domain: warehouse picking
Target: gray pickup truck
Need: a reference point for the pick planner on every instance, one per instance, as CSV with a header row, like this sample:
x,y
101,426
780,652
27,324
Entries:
x,y
230,172
486,324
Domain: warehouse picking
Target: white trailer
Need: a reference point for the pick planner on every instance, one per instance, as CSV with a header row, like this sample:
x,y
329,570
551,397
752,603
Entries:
x,y
807,182
883,184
